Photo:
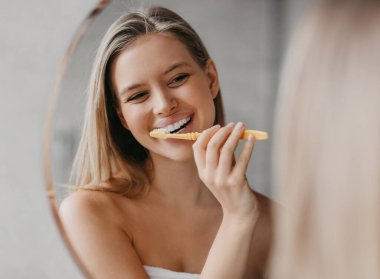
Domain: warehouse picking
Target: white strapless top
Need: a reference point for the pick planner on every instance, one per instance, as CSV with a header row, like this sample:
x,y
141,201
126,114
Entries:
x,y
162,273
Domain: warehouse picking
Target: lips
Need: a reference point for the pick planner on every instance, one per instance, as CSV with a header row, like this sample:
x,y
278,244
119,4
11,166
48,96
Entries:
x,y
173,123
175,127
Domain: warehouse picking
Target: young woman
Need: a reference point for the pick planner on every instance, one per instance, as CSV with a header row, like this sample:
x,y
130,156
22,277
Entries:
x,y
147,206
328,155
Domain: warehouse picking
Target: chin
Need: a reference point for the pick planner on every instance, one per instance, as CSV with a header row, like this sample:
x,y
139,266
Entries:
x,y
180,155
182,158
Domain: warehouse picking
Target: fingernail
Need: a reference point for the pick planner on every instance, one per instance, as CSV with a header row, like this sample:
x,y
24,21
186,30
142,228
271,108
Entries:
x,y
231,124
251,138
239,125
212,128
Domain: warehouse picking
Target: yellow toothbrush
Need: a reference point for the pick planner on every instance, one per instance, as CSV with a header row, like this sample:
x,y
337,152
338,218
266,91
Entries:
x,y
259,135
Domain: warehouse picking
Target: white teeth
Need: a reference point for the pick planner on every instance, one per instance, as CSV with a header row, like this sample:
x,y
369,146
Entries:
x,y
174,126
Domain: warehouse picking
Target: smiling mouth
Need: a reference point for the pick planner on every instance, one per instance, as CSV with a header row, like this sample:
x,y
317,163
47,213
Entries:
x,y
175,127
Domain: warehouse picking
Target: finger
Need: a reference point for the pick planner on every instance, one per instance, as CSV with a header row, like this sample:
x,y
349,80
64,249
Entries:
x,y
245,156
226,160
199,147
215,144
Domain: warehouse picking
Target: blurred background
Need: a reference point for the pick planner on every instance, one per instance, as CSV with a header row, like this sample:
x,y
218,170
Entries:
x,y
246,39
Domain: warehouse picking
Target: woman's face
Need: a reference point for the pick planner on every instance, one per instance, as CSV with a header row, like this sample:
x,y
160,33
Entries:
x,y
159,85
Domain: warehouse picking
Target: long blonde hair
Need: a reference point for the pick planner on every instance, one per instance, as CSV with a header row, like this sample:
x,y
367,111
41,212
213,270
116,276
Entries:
x,y
109,157
327,149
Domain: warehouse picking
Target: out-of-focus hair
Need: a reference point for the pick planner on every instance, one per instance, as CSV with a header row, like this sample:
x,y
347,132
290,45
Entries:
x,y
327,149
109,157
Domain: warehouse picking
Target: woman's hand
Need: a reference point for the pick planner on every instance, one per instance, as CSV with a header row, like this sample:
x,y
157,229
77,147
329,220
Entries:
x,y
214,157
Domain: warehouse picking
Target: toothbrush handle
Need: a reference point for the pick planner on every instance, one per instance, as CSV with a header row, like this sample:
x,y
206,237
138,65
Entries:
x,y
259,135
193,136
187,136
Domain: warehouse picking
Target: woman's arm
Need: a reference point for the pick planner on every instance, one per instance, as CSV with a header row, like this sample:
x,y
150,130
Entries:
x,y
214,156
100,242
229,254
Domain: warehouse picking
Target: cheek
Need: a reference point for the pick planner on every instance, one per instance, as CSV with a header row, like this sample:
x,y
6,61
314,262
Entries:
x,y
134,119
138,119
203,98
199,92
211,113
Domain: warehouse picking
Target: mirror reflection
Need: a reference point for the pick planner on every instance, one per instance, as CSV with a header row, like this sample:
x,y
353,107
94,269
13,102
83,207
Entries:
x,y
145,206
244,38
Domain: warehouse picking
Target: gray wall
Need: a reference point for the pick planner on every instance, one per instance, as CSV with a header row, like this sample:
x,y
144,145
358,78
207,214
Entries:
x,y
34,36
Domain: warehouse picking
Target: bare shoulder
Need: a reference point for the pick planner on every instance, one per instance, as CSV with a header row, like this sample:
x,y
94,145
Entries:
x,y
77,200
265,221
266,205
93,222
95,208
267,209
87,204
263,235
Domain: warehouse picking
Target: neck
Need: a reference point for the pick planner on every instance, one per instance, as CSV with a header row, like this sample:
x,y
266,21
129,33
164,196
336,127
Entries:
x,y
178,183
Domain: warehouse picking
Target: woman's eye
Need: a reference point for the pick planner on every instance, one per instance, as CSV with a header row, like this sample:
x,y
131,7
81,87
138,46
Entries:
x,y
137,97
178,80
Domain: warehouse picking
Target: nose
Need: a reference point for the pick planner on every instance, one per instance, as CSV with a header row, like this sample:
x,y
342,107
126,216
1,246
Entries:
x,y
164,102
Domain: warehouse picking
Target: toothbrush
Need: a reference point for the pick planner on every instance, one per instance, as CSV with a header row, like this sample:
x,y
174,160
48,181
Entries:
x,y
259,135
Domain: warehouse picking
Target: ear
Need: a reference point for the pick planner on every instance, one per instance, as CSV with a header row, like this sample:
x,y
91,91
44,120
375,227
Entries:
x,y
212,74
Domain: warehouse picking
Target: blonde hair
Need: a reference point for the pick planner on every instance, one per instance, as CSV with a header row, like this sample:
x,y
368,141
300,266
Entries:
x,y
327,149
109,157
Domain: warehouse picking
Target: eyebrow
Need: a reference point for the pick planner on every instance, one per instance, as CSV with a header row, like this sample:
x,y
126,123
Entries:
x,y
177,65
170,69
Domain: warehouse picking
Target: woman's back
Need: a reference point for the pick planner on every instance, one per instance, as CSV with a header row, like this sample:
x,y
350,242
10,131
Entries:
x,y
328,157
